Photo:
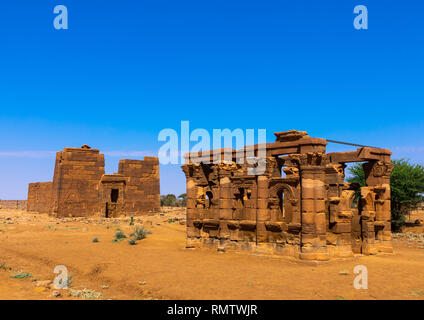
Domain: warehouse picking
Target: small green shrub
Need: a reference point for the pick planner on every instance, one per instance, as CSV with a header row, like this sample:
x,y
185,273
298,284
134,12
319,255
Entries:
x,y
132,221
22,275
140,233
96,240
119,236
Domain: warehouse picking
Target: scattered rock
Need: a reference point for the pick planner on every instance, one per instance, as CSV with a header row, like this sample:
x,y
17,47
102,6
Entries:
x,y
56,294
44,283
85,294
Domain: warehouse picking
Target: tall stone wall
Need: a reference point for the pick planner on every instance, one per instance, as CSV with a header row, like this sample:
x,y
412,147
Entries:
x,y
13,204
40,197
81,188
142,189
76,182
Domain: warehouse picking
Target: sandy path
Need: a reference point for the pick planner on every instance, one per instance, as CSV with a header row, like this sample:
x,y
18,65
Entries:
x,y
37,245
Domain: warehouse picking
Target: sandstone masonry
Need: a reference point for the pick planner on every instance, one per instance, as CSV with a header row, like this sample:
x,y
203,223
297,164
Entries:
x,y
80,186
300,206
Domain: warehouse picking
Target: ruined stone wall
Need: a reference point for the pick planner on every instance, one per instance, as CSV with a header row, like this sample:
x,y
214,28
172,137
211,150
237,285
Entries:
x,y
40,197
300,206
13,204
81,188
142,193
112,195
416,215
76,182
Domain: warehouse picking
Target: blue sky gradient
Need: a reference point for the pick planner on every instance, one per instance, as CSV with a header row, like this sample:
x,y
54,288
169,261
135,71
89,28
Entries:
x,y
124,70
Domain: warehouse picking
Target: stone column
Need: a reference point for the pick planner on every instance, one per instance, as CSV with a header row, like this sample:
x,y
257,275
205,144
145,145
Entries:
x,y
377,176
192,231
312,179
367,213
225,203
262,212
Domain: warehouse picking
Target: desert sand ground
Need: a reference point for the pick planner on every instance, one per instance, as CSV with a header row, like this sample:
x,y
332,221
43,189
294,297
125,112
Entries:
x,y
160,267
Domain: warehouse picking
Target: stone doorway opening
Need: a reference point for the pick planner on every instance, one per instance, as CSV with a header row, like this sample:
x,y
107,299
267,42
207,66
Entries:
x,y
280,195
114,195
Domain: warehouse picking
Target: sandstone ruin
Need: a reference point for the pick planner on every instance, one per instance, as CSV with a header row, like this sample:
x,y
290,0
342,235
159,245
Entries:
x,y
80,186
13,204
301,206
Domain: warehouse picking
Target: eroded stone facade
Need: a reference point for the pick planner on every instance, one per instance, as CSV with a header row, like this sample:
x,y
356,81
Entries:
x,y
80,186
143,190
40,197
13,204
300,206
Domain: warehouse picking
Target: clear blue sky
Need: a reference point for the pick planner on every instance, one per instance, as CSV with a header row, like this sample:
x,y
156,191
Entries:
x,y
124,70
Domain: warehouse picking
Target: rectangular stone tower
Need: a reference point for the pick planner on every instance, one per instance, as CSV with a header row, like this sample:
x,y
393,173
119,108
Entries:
x,y
142,189
76,182
80,187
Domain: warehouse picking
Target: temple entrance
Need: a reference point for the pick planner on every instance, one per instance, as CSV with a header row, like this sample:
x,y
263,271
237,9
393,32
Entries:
x,y
114,194
110,210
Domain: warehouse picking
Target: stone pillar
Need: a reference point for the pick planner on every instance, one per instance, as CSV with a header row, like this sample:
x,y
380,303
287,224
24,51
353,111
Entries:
x,y
367,213
225,203
262,212
377,176
312,179
192,231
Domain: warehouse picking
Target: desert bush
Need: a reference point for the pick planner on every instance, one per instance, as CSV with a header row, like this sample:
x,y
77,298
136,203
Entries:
x,y
119,236
22,275
140,233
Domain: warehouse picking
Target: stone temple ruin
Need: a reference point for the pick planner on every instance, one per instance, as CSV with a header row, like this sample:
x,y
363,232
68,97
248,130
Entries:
x,y
81,188
300,206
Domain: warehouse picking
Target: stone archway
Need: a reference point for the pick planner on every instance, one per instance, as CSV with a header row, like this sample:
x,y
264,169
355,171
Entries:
x,y
281,199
